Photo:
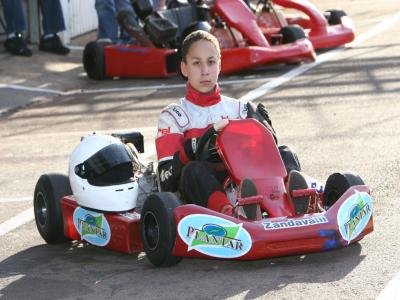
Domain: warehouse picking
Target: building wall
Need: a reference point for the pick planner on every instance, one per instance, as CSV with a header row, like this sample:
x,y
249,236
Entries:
x,y
80,17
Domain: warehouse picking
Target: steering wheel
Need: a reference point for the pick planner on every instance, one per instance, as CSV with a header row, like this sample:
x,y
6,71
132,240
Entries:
x,y
203,142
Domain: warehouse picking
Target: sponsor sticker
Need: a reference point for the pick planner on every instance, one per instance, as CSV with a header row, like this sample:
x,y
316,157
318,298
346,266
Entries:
x,y
293,223
354,214
92,226
164,131
214,236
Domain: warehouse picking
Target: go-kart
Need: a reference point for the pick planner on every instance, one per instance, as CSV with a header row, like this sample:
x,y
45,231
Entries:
x,y
339,212
325,30
159,36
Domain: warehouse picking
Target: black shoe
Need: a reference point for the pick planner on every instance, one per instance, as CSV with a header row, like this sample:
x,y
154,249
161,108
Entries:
x,y
53,45
247,188
17,46
297,181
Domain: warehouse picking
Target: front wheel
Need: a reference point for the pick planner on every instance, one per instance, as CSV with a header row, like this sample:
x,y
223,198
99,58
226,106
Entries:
x,y
337,184
158,229
49,190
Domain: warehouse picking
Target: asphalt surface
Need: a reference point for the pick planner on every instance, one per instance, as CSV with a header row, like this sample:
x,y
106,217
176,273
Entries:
x,y
341,115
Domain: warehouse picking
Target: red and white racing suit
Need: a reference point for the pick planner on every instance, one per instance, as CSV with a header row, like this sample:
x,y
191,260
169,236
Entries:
x,y
194,114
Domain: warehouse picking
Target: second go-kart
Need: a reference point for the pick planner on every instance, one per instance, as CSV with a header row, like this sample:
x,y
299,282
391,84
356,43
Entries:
x,y
159,36
110,200
330,29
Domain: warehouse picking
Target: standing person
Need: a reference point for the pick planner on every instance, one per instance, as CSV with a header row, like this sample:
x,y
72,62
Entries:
x,y
181,124
52,22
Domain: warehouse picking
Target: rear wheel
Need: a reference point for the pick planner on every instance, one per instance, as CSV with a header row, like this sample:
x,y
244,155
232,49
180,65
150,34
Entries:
x,y
335,16
292,33
49,190
337,184
158,229
93,59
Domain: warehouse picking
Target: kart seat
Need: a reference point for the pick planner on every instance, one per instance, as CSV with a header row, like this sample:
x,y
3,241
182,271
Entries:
x,y
182,17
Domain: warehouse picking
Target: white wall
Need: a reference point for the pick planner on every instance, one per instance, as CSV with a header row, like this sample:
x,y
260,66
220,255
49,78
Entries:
x,y
80,17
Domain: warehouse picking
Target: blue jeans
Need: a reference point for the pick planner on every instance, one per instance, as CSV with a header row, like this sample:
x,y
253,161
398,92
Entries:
x,y
52,16
107,11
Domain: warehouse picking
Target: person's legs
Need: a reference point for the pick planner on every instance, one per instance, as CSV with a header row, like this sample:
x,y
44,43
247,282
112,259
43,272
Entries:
x,y
124,6
53,22
14,16
52,16
16,24
106,14
290,159
199,185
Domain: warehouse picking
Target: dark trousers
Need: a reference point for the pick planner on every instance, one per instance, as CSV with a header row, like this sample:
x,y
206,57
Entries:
x,y
198,181
53,19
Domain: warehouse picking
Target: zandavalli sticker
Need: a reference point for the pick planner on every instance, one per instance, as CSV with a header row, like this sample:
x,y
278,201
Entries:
x,y
353,215
293,223
214,236
92,226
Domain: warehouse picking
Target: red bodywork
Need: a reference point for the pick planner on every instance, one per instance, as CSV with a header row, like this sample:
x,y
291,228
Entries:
x,y
256,156
259,52
248,151
124,231
134,61
282,242
320,33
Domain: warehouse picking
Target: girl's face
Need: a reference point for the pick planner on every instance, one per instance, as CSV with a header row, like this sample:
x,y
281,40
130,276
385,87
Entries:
x,y
202,66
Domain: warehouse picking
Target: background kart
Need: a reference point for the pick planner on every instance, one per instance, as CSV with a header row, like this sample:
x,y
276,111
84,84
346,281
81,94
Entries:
x,y
243,45
325,30
339,214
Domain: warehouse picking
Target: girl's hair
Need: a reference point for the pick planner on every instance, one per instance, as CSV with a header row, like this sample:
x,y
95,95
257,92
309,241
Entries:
x,y
195,36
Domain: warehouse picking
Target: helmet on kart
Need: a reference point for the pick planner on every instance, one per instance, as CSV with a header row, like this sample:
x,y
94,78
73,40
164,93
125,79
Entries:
x,y
101,172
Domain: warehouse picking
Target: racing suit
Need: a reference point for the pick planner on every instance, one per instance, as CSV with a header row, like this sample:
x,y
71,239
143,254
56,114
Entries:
x,y
178,125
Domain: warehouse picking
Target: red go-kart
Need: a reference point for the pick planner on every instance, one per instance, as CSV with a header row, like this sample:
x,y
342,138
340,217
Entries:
x,y
339,213
243,44
325,30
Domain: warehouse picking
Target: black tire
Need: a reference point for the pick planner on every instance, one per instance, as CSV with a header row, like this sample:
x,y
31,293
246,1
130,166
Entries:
x,y
335,16
158,229
337,184
49,190
93,59
292,33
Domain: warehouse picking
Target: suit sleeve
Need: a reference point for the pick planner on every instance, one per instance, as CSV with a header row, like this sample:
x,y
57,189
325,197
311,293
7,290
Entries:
x,y
169,146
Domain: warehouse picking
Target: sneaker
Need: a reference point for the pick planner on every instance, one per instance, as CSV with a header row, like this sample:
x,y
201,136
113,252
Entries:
x,y
247,188
17,46
53,45
297,181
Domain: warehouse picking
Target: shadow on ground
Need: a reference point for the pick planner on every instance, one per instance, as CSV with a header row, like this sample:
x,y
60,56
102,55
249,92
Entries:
x,y
77,270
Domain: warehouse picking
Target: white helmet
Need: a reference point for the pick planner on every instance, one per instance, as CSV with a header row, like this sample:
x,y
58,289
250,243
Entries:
x,y
101,172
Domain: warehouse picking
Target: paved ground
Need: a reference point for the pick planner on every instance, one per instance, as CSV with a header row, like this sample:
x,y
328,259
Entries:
x,y
343,114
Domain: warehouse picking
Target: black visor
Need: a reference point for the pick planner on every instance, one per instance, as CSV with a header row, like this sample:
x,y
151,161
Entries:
x,y
110,165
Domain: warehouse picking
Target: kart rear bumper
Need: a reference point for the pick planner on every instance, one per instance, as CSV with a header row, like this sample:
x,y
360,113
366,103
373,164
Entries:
x,y
237,59
135,61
